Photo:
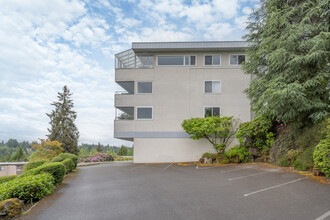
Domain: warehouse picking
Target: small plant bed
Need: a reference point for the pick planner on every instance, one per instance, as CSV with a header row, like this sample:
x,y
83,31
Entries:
x,y
97,157
119,158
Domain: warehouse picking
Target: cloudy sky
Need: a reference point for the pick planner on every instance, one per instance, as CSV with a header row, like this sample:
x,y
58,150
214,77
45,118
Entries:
x,y
46,44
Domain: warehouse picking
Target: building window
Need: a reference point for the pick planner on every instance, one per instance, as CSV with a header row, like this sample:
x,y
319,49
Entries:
x,y
144,87
2,168
186,60
212,86
237,59
144,112
212,111
212,60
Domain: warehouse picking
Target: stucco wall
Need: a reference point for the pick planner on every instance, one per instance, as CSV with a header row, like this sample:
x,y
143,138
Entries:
x,y
168,150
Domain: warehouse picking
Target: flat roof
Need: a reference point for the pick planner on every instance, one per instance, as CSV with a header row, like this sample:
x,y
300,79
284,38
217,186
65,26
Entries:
x,y
189,46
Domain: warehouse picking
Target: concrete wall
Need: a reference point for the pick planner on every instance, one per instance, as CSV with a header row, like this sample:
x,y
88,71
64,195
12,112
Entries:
x,y
9,170
168,150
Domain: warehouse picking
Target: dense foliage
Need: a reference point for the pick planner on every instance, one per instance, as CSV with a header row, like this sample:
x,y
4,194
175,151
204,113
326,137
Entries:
x,y
7,178
219,131
289,60
56,169
321,154
256,133
97,157
64,156
122,151
46,150
63,128
28,189
69,165
33,164
238,154
14,151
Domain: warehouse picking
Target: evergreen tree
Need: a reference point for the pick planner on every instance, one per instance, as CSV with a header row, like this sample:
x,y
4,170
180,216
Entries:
x,y
63,128
122,151
99,148
19,155
288,58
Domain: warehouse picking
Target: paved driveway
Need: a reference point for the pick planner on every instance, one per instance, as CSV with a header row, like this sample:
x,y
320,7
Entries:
x,y
168,191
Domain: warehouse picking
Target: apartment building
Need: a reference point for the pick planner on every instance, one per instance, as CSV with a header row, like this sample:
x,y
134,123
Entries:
x,y
167,82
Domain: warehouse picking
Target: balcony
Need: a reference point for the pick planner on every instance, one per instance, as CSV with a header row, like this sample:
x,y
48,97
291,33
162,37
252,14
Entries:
x,y
124,113
128,59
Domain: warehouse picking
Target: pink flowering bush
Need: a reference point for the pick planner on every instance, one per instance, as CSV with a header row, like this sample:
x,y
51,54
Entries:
x,y
97,157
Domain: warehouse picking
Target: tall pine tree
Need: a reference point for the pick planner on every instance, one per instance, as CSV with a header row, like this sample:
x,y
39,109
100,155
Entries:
x,y
63,128
288,58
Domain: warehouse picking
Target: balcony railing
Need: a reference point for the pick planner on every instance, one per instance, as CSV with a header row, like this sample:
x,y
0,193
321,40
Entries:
x,y
128,59
124,93
124,113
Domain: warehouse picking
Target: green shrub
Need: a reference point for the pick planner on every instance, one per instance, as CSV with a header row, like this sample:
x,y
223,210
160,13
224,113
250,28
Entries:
x,y
256,133
64,156
57,159
238,151
69,165
321,154
33,164
29,188
305,160
56,169
283,161
293,155
4,179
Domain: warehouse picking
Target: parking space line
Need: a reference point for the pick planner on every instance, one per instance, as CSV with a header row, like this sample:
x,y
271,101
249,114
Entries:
x,y
224,171
324,216
203,168
138,167
272,187
241,177
168,166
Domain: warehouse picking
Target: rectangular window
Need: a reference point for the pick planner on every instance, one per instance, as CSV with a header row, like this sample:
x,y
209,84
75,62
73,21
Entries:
x,y
237,59
2,168
212,111
144,87
212,86
212,60
186,60
144,112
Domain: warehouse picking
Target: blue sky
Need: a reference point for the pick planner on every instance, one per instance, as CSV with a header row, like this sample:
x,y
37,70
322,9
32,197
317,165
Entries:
x,y
46,44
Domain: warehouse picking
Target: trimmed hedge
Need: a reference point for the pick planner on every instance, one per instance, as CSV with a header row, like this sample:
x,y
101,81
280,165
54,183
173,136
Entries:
x,y
56,169
69,165
4,179
242,154
33,164
30,188
64,156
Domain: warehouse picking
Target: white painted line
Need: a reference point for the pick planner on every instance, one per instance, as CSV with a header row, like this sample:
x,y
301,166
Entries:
x,y
203,168
272,187
224,171
168,166
324,216
241,177
137,167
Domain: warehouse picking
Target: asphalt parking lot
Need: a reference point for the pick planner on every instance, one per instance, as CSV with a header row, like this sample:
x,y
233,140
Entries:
x,y
169,191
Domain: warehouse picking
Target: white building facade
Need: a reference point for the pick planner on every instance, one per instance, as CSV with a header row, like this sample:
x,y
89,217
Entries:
x,y
168,82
